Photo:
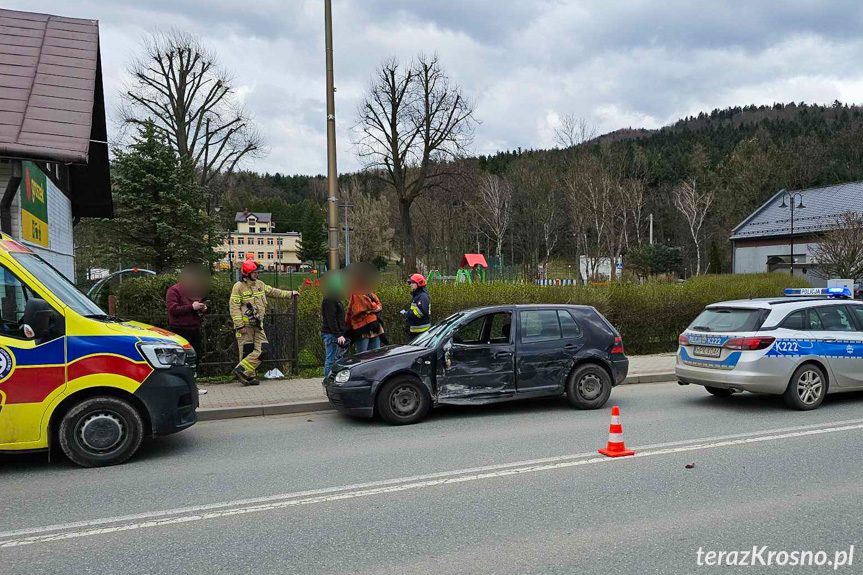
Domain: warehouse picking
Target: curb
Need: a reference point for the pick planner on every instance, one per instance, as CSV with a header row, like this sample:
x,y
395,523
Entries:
x,y
217,413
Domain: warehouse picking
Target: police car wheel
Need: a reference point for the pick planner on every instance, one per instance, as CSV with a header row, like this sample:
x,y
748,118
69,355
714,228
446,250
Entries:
x,y
403,401
718,391
807,388
101,431
588,387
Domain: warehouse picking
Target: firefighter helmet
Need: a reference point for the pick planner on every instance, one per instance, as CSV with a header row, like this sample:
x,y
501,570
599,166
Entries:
x,y
417,279
250,266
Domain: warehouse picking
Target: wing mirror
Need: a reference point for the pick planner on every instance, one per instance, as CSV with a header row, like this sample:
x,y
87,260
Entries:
x,y
40,321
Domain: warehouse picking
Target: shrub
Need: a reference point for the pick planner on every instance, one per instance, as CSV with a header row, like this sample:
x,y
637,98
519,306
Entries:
x,y
649,316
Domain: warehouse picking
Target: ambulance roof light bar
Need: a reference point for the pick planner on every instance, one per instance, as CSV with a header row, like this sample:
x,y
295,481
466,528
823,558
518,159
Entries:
x,y
839,292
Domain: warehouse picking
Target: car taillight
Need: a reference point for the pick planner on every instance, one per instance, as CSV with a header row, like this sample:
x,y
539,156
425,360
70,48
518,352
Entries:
x,y
618,345
749,343
682,339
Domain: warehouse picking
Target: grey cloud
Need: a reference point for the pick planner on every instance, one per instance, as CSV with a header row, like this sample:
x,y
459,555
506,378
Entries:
x,y
618,63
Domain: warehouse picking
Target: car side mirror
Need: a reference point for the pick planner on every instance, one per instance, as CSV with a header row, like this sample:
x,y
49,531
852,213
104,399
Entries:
x,y
40,320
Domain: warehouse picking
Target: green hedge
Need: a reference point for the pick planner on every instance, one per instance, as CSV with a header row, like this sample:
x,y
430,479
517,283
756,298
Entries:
x,y
649,316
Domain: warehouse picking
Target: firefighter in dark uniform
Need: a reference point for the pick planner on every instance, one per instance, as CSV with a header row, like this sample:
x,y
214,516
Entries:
x,y
418,314
248,307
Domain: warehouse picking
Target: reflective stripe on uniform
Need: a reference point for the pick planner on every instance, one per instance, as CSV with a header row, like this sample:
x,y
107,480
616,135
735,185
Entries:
x,y
419,328
416,310
236,298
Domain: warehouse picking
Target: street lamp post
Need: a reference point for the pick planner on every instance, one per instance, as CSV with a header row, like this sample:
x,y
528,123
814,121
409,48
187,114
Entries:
x,y
345,206
792,196
332,172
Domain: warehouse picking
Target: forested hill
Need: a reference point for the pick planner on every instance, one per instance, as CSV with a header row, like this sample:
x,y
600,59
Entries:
x,y
745,154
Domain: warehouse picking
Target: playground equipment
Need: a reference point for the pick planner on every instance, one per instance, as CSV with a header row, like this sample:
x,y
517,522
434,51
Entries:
x,y
471,269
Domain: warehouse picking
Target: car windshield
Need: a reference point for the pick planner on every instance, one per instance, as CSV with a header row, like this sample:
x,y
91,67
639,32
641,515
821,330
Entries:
x,y
729,320
437,332
57,284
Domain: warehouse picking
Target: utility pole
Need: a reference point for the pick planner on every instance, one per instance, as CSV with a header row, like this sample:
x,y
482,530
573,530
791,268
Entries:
x,y
332,172
347,234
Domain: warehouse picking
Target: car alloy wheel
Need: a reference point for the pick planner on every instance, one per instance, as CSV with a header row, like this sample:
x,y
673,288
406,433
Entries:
x,y
809,387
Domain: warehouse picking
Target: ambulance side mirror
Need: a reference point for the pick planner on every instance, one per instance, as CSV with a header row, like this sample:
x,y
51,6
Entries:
x,y
40,321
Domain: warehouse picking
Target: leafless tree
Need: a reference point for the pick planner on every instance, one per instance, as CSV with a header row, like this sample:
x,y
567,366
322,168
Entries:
x,y
574,131
178,84
371,235
839,252
693,201
494,209
413,121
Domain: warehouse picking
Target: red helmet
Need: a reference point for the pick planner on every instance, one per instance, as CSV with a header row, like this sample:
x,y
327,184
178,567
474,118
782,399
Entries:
x,y
418,279
250,266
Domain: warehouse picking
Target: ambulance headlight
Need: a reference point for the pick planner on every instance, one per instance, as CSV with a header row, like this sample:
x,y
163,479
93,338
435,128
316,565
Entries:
x,y
162,356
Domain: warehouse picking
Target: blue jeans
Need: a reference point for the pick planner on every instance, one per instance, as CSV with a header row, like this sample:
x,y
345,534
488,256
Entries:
x,y
367,344
333,352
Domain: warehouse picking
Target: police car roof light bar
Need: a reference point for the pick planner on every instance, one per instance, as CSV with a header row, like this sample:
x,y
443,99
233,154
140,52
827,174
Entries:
x,y
830,292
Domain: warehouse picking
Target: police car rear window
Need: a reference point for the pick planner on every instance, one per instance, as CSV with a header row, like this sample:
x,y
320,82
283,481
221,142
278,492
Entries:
x,y
725,319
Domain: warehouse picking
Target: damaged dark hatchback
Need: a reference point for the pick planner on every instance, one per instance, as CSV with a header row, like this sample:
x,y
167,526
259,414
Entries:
x,y
485,355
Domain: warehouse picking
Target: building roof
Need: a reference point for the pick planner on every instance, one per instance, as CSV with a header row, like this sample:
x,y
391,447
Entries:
x,y
48,68
822,209
52,105
264,217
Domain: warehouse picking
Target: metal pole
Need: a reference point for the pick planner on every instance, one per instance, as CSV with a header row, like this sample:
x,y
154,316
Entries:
x,y
332,172
792,236
347,239
651,229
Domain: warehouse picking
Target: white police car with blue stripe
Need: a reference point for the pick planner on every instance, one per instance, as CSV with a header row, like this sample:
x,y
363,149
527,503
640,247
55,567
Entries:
x,y
802,346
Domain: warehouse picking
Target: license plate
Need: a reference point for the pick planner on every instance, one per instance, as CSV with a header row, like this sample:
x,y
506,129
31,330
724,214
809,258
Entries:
x,y
707,351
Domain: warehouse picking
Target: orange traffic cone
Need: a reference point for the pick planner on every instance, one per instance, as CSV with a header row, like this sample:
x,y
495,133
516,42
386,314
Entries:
x,y
616,447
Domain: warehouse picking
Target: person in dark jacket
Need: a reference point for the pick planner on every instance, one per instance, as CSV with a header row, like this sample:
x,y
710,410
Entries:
x,y
333,328
186,306
418,314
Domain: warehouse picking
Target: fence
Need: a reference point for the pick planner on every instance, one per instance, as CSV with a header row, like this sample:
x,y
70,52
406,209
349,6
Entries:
x,y
219,342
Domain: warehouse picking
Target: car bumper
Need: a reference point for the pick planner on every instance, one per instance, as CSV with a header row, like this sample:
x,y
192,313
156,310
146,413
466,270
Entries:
x,y
356,401
620,369
171,399
759,376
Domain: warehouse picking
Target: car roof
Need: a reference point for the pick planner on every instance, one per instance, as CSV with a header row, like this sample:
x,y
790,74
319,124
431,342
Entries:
x,y
783,303
524,306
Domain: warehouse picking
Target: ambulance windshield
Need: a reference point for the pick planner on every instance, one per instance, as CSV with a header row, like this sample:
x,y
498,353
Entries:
x,y
57,284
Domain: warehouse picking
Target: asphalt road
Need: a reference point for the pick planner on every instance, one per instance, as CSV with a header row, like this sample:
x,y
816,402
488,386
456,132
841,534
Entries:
x,y
506,489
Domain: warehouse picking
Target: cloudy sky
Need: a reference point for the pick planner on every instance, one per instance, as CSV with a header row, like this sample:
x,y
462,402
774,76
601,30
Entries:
x,y
526,63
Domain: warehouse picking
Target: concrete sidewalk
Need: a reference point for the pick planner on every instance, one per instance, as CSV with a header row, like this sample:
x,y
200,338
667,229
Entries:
x,y
280,396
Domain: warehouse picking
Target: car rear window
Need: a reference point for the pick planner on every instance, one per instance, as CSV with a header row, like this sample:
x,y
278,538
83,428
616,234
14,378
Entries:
x,y
726,319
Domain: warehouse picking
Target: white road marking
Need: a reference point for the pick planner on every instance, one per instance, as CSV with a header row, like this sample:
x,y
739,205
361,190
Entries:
x,y
241,507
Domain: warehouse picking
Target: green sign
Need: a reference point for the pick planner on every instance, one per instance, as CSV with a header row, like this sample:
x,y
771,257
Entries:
x,y
34,205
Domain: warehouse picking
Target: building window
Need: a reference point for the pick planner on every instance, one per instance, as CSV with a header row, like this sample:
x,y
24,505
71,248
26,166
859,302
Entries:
x,y
280,241
231,241
260,255
251,230
269,241
241,241
230,255
260,241
269,255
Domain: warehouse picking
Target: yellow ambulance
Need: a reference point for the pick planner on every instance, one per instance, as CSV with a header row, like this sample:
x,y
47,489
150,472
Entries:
x,y
73,377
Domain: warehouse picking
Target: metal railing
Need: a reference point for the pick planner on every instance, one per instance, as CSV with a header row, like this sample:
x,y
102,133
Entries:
x,y
219,354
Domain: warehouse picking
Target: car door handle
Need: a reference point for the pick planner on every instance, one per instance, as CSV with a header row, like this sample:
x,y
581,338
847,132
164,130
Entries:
x,y
502,354
828,339
570,346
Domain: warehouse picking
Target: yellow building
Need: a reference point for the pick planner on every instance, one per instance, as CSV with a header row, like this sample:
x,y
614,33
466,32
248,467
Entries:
x,y
255,239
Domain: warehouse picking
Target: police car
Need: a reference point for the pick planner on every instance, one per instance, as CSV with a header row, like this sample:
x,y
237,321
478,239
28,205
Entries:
x,y
802,346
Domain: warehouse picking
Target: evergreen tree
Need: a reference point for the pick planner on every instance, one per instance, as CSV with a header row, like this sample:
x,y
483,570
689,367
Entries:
x,y
158,207
313,245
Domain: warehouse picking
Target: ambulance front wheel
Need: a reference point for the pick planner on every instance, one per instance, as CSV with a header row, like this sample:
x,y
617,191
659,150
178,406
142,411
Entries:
x,y
101,431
